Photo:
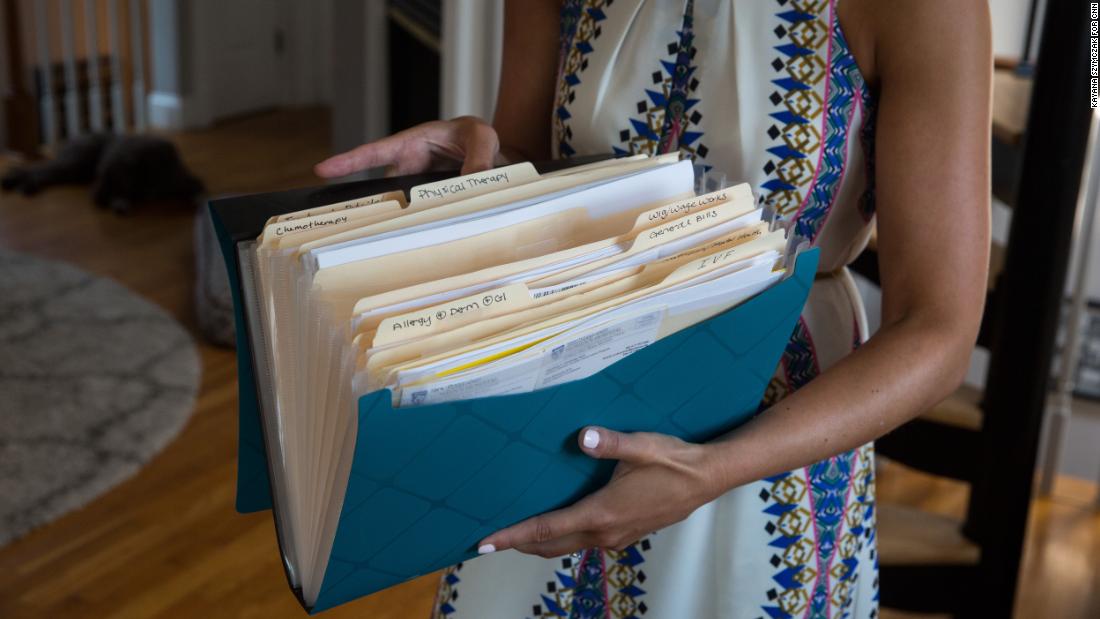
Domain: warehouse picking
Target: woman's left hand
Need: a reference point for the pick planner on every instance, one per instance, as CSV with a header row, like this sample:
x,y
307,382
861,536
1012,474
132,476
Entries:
x,y
660,480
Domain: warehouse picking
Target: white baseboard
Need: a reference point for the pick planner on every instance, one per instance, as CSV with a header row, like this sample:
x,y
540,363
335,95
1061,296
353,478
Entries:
x,y
165,110
168,110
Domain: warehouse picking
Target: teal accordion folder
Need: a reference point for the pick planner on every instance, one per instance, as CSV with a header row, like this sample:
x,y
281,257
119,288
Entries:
x,y
428,482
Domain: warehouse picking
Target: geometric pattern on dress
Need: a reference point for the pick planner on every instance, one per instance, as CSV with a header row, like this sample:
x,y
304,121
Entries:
x,y
858,534
447,592
859,525
603,584
830,482
589,587
840,104
776,390
790,527
790,524
820,518
859,518
580,27
667,112
797,107
799,358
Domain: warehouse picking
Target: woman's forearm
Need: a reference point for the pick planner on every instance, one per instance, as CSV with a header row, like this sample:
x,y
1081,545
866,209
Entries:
x,y
906,368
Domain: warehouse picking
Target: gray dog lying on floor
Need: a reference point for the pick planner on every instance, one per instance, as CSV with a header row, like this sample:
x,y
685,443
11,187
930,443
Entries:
x,y
124,170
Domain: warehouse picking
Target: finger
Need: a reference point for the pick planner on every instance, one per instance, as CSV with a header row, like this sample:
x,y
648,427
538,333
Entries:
x,y
389,151
481,145
611,445
540,529
559,547
378,153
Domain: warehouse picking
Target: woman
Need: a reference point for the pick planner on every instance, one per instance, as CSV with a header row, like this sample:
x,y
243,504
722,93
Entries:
x,y
839,113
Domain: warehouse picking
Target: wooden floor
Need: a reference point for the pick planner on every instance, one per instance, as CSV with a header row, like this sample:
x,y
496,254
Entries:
x,y
168,543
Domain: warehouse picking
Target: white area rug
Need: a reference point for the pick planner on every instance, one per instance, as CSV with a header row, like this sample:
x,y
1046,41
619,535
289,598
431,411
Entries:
x,y
94,381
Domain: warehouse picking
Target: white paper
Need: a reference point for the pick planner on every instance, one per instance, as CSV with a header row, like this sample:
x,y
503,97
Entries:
x,y
601,200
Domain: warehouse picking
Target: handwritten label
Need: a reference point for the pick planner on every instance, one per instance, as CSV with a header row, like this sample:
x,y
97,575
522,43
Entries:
x,y
452,314
471,185
593,278
686,225
681,208
275,233
740,194
752,245
389,196
741,236
291,227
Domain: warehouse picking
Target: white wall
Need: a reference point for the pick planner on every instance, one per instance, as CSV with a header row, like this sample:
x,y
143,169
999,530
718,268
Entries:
x,y
309,52
1010,26
1092,277
360,80
214,59
472,38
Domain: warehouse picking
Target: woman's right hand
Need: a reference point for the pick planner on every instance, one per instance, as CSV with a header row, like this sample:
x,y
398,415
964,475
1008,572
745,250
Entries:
x,y
436,145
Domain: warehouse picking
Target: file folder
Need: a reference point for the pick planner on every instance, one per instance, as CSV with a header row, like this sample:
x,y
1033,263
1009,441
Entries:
x,y
427,483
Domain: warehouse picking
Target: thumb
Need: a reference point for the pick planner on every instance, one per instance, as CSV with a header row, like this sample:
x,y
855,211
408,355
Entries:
x,y
611,445
481,145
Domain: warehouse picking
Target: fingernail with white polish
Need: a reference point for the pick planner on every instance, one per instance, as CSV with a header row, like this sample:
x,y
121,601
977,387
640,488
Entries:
x,y
591,438
485,549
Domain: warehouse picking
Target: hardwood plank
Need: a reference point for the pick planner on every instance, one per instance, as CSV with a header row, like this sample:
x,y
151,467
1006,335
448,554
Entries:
x,y
1060,576
910,536
960,409
1011,101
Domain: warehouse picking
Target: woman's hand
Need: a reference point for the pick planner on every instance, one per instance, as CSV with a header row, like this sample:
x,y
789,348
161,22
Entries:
x,y
440,144
660,480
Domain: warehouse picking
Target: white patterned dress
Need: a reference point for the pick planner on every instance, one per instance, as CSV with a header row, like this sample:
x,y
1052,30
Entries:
x,y
765,91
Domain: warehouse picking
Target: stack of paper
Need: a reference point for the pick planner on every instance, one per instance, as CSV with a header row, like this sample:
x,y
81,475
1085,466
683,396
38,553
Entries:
x,y
496,283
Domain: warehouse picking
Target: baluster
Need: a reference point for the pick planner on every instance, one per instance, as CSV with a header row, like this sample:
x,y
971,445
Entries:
x,y
73,124
95,92
6,89
137,60
46,101
118,113
5,74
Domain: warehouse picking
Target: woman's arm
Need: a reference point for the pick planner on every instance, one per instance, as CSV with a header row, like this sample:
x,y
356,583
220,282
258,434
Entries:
x,y
932,171
519,131
528,76
932,62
